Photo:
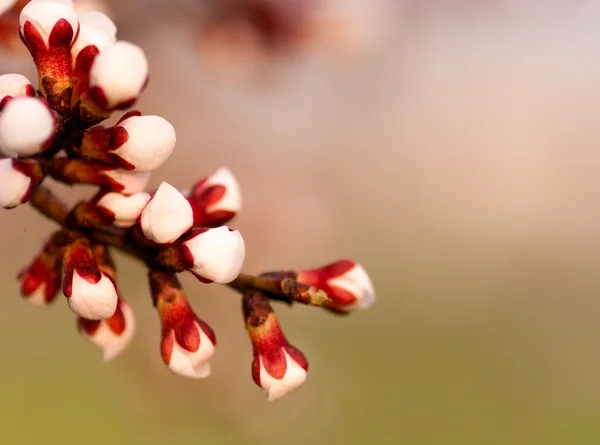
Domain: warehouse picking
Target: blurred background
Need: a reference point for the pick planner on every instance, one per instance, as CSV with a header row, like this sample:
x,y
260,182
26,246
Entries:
x,y
451,146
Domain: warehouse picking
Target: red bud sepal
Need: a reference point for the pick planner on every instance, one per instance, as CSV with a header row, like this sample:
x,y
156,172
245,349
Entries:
x,y
40,281
277,367
187,343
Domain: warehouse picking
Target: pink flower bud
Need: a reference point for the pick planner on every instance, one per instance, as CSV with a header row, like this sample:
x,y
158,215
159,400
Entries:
x,y
345,282
215,199
277,367
122,210
112,335
118,75
90,292
14,184
167,216
26,126
13,85
95,28
215,254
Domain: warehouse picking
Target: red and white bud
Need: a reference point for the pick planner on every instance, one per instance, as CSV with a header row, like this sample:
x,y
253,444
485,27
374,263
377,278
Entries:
x,y
53,21
216,199
14,184
187,349
277,367
215,254
188,343
167,216
149,142
40,281
26,126
95,28
90,292
112,335
131,182
345,281
123,210
118,75
14,85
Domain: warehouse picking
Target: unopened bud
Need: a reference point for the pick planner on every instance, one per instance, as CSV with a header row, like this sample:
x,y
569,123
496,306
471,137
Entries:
x,y
167,216
26,126
215,199
18,177
346,283
95,28
112,335
14,85
122,210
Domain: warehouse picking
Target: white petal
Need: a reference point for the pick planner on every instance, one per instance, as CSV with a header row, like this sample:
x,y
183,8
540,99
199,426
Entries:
x,y
133,182
294,377
218,254
96,29
125,208
25,125
167,216
13,85
193,365
120,71
13,184
232,200
151,142
45,14
93,301
357,282
107,340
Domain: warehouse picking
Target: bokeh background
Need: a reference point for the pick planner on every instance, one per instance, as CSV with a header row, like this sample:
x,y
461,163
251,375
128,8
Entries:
x,y
455,155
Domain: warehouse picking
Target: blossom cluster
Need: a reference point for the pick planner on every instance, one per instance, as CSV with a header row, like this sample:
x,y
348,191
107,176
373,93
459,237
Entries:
x,y
54,132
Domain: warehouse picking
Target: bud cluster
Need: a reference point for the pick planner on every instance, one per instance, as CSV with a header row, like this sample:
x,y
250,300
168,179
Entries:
x,y
54,132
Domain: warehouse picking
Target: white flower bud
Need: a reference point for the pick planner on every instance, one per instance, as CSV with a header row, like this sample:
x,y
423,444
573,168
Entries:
x,y
218,254
125,209
167,216
294,377
93,301
112,335
150,143
44,15
15,85
132,182
95,28
195,364
26,124
120,72
14,185
357,282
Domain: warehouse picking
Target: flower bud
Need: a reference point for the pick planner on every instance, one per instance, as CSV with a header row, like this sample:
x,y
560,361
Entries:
x,y
122,210
40,281
13,85
215,199
140,143
215,254
167,216
26,126
187,343
345,282
127,182
90,292
118,75
95,28
277,367
112,335
18,177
